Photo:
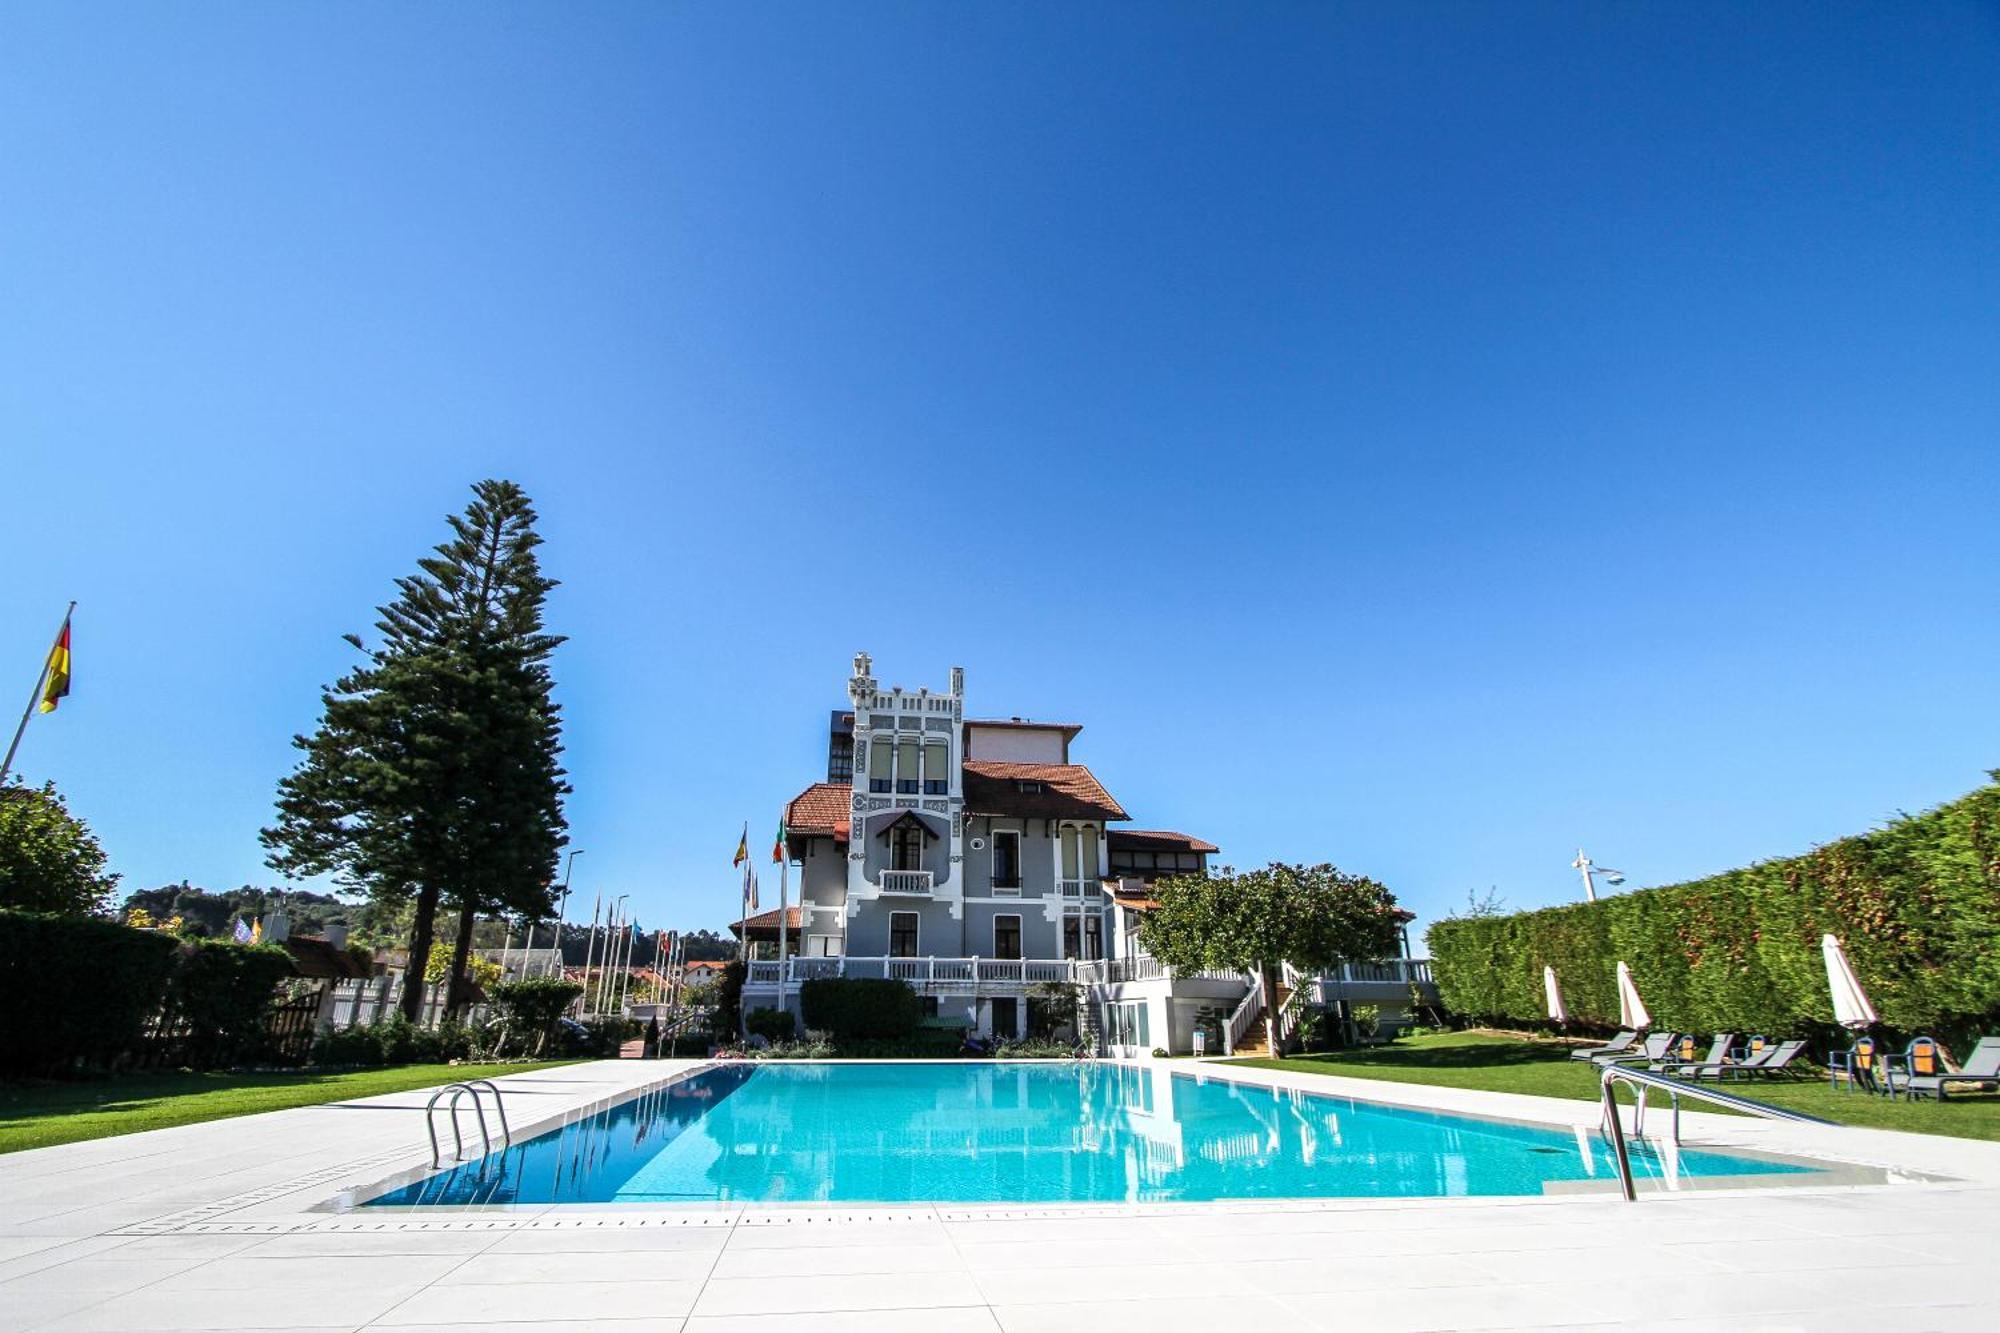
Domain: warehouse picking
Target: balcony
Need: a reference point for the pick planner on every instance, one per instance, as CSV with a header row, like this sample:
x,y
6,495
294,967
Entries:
x,y
904,881
935,974
1076,888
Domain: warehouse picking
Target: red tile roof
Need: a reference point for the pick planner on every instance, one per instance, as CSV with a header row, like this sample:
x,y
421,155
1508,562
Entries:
x,y
767,921
1158,840
820,811
315,956
1068,791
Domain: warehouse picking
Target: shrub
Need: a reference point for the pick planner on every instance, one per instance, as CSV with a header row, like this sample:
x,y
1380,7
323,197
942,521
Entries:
x,y
531,1007
1029,1048
861,1009
771,1024
221,995
1917,905
76,992
729,999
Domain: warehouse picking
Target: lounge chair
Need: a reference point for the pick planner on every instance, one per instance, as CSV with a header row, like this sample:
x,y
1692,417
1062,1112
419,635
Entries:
x,y
1655,1048
1622,1042
1687,1066
1774,1060
1924,1074
1861,1065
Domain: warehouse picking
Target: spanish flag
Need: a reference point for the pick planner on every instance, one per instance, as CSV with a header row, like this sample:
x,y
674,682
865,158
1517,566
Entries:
x,y
742,844
55,682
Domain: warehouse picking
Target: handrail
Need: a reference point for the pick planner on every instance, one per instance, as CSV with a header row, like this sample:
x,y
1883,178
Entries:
x,y
458,1090
1644,1079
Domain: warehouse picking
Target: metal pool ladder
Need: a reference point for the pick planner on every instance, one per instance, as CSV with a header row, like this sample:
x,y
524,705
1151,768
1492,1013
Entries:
x,y
471,1088
1644,1079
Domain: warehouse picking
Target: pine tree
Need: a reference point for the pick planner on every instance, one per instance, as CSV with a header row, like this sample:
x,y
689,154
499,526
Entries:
x,y
435,774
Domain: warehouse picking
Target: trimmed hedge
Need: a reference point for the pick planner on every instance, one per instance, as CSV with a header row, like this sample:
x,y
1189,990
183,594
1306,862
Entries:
x,y
860,1009
76,991
1916,905
222,993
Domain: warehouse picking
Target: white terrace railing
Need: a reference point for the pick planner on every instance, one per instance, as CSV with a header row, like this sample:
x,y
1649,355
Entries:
x,y
1078,971
905,881
917,971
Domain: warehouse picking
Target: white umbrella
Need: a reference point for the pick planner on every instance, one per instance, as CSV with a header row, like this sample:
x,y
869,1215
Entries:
x,y
1631,1009
1558,1011
1851,1008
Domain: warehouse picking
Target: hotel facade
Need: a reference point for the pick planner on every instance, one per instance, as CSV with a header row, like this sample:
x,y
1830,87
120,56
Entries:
x,y
976,860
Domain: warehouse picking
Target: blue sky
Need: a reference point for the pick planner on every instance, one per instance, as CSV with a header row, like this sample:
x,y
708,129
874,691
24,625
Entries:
x,y
1423,437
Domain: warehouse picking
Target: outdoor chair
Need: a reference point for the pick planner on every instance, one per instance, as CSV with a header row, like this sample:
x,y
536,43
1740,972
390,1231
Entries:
x,y
1687,1066
1924,1073
1860,1066
1622,1042
1755,1045
1775,1060
1655,1048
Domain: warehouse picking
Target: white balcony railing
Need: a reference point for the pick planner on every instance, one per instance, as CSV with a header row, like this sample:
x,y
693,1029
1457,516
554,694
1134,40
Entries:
x,y
1076,888
962,973
905,881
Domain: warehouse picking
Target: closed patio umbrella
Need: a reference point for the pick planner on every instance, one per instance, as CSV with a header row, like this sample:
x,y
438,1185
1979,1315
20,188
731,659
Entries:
x,y
1851,1008
1631,1009
1558,1011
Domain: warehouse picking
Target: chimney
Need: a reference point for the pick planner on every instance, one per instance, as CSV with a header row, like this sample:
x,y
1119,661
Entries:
x,y
336,935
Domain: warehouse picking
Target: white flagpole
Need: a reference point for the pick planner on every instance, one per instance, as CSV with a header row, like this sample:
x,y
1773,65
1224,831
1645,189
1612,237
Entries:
x,y
34,697
784,912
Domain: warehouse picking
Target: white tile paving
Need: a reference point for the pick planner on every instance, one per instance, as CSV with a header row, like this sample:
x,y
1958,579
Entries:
x,y
124,1234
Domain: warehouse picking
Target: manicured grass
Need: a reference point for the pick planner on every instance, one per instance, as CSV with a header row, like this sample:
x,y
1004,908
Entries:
x,y
1503,1063
40,1114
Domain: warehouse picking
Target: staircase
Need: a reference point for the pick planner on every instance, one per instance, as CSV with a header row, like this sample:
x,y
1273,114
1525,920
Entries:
x,y
1257,1039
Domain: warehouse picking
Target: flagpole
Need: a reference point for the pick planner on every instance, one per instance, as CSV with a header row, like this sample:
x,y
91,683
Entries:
x,y
784,913
34,697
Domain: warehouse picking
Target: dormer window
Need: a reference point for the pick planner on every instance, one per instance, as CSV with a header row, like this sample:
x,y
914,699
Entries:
x,y
1028,786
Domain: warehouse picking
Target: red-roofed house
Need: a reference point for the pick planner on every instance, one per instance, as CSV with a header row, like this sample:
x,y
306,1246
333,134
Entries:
x,y
975,860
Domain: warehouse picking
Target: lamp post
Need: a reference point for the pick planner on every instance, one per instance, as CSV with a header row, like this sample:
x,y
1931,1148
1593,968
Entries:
x,y
1590,870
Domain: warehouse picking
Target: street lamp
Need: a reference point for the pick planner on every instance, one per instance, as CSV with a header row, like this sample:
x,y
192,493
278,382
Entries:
x,y
1590,869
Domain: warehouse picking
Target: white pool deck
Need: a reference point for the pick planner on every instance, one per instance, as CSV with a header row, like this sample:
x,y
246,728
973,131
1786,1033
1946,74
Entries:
x,y
223,1226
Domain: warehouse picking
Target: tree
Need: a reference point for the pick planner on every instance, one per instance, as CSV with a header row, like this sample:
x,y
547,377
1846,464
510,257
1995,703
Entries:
x,y
49,859
435,774
1313,917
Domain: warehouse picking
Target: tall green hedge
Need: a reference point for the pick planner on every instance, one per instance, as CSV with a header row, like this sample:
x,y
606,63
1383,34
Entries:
x,y
75,991
860,1008
1916,904
221,996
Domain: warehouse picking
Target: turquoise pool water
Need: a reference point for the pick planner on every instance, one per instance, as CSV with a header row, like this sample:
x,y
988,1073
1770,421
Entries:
x,y
1008,1132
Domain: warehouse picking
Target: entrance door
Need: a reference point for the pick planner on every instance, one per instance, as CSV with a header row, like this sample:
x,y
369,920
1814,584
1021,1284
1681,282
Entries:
x,y
1006,1019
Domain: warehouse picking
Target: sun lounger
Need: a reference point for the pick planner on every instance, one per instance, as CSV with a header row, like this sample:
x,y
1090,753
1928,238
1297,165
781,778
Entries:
x,y
1926,1077
1655,1048
1622,1042
1774,1060
1686,1066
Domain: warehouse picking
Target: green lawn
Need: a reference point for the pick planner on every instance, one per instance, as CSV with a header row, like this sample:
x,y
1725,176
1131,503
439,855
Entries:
x,y
40,1114
1500,1063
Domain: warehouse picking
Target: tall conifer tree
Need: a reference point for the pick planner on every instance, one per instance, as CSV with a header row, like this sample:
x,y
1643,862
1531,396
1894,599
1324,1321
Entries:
x,y
436,774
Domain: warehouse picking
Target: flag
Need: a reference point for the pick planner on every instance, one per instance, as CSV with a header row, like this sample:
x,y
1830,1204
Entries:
x,y
56,683
749,889
778,844
742,848
242,931
257,931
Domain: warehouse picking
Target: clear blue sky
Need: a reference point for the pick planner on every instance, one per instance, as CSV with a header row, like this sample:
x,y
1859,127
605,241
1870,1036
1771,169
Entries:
x,y
1424,437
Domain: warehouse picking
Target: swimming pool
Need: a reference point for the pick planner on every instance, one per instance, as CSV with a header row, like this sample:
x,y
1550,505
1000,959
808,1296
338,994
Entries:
x,y
1018,1132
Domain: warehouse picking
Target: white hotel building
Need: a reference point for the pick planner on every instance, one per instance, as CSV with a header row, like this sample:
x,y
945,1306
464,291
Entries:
x,y
973,859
